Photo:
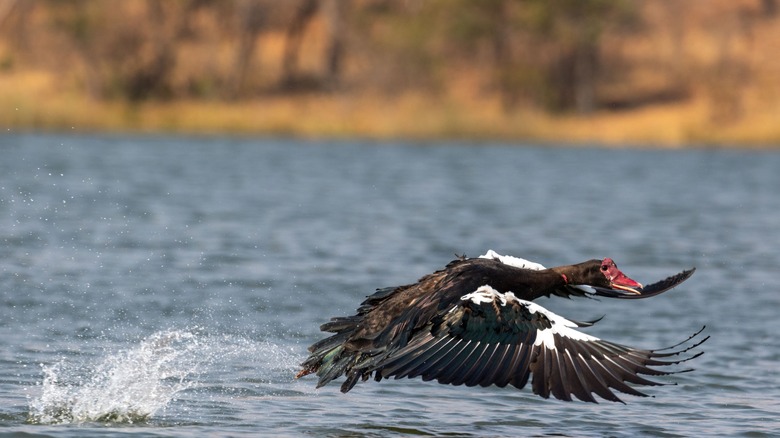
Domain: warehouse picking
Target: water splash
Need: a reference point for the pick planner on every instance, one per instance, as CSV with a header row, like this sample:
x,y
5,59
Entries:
x,y
133,385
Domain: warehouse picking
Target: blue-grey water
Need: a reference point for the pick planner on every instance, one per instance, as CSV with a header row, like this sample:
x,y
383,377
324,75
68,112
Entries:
x,y
169,286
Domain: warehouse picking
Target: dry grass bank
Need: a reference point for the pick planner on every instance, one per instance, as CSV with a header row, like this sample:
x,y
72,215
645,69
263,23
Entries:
x,y
33,101
667,73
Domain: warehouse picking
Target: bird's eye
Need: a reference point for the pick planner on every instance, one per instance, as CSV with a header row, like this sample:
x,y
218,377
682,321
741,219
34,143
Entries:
x,y
604,268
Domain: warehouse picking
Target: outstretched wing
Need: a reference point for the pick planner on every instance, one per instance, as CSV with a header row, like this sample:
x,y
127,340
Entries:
x,y
490,338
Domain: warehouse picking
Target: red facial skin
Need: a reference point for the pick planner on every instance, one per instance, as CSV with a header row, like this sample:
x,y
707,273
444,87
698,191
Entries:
x,y
617,279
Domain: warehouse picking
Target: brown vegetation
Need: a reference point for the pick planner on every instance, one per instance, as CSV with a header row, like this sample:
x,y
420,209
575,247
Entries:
x,y
662,71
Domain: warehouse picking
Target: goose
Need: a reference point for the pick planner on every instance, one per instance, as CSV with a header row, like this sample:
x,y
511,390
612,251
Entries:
x,y
475,323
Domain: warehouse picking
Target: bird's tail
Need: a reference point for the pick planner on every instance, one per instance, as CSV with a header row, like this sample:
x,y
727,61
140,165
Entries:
x,y
328,358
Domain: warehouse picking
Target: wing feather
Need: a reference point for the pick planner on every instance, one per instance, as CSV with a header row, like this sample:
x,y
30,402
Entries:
x,y
427,358
594,381
559,380
490,338
486,365
423,350
579,383
459,354
458,372
494,367
445,372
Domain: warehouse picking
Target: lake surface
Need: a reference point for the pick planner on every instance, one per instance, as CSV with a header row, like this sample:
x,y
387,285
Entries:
x,y
169,286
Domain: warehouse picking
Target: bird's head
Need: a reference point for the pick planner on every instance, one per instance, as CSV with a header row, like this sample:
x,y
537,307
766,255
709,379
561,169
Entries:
x,y
602,276
615,279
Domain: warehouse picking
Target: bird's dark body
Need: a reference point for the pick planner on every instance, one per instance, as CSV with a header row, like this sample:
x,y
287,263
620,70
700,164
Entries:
x,y
427,329
415,304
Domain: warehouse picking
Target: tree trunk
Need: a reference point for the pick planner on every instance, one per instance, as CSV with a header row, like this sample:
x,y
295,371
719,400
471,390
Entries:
x,y
292,44
251,22
334,54
585,65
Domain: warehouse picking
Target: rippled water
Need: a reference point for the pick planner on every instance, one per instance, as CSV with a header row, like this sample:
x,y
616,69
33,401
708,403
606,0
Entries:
x,y
169,286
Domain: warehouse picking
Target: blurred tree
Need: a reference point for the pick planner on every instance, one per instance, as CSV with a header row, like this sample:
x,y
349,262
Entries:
x,y
560,55
127,49
547,51
572,31
251,20
78,21
492,24
769,8
150,78
6,8
304,12
335,15
398,45
13,17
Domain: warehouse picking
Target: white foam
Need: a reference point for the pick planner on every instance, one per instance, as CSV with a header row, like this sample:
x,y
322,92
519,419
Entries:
x,y
127,387
136,384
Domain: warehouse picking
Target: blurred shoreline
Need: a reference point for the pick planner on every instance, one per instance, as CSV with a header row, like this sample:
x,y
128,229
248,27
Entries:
x,y
412,116
618,73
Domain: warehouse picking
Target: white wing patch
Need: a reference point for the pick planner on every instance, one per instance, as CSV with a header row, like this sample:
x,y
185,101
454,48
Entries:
x,y
486,294
560,325
517,262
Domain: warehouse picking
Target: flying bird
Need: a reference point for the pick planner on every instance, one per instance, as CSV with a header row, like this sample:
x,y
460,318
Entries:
x,y
475,323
